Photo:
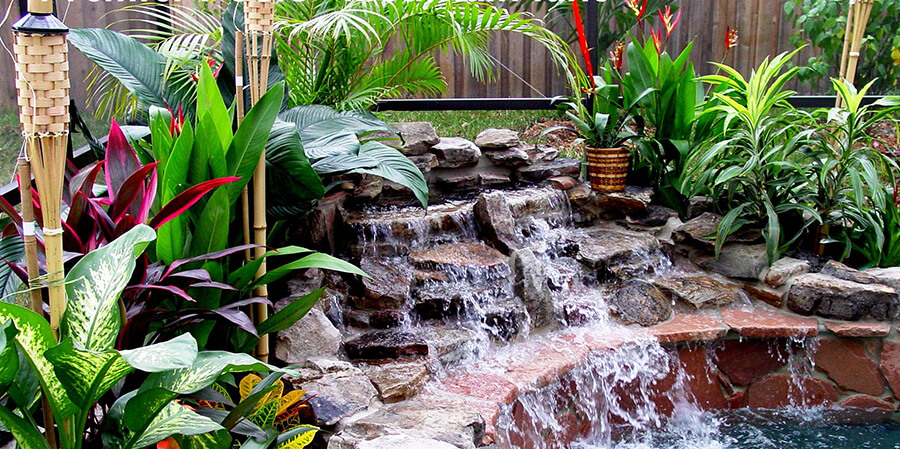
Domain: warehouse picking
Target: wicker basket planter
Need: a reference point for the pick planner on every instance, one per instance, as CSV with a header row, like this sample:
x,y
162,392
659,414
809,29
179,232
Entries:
x,y
608,168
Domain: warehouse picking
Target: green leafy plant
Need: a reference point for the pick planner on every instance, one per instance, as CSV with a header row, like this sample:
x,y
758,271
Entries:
x,y
845,170
822,23
876,234
752,169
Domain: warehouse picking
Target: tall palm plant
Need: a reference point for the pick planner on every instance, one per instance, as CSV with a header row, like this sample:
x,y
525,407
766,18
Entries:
x,y
350,53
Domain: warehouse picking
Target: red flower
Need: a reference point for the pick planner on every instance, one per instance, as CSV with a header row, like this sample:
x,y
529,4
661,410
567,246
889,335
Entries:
x,y
168,443
731,38
657,39
617,55
177,122
638,8
211,62
582,41
668,21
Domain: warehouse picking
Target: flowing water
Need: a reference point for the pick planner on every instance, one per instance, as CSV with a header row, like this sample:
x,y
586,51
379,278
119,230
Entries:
x,y
634,397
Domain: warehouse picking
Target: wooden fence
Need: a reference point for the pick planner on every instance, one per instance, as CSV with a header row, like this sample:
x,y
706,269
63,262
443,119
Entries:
x,y
524,70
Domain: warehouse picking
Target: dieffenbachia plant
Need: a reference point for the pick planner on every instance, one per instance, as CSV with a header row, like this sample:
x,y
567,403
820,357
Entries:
x,y
83,366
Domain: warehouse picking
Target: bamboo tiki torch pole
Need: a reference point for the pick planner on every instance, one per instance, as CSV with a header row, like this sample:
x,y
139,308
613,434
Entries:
x,y
864,9
258,24
239,103
42,82
848,33
31,262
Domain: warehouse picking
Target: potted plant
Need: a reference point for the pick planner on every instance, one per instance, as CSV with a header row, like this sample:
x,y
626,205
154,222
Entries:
x,y
602,125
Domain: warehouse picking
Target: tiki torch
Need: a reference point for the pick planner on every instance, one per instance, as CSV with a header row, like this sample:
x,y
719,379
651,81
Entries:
x,y
258,26
857,19
42,83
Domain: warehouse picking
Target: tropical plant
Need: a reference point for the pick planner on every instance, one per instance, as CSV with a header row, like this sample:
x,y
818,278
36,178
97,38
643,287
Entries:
x,y
336,52
845,169
752,169
875,234
822,24
669,110
80,371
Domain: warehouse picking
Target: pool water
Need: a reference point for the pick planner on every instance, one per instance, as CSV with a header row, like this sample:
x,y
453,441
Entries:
x,y
760,429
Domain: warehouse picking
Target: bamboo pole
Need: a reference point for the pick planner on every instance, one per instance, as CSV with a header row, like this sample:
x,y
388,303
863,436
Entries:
x,y
31,262
42,82
854,33
239,102
848,32
258,24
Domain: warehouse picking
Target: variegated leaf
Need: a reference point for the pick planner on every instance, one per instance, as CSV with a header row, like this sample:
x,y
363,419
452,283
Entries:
x,y
9,357
86,375
34,339
175,419
297,438
92,318
205,370
288,400
179,352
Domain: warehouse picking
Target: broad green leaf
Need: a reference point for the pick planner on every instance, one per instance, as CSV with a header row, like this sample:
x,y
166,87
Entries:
x,y
209,102
27,436
243,276
220,439
86,375
290,314
289,176
212,227
9,357
174,419
396,167
250,139
179,352
93,286
208,366
34,339
314,260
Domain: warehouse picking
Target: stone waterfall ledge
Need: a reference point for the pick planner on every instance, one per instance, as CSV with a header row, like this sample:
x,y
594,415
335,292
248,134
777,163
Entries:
x,y
746,364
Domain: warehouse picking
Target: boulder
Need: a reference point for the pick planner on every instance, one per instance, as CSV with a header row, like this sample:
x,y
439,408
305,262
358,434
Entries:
x,y
887,276
784,269
508,157
632,198
531,286
642,303
388,286
425,162
563,182
651,217
386,319
420,418
496,224
418,137
841,271
550,169
381,345
493,179
497,138
541,153
505,318
700,290
737,261
311,336
456,152
459,257
832,297
616,253
398,381
700,232
403,442
449,343
698,205
338,394
453,181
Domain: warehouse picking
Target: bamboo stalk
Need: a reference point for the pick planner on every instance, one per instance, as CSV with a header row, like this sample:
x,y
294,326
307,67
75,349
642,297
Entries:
x,y
864,10
258,22
31,262
239,101
848,36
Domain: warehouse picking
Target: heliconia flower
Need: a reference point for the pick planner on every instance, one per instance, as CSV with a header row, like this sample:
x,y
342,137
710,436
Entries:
x,y
657,39
617,55
177,122
638,8
668,21
168,443
582,41
210,62
731,38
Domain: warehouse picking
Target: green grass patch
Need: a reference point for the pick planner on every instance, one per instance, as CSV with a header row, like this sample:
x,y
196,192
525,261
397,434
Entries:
x,y
468,124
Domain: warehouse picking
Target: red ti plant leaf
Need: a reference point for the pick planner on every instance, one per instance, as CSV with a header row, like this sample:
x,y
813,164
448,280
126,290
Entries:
x,y
184,200
582,41
133,188
208,256
121,161
84,180
11,211
168,288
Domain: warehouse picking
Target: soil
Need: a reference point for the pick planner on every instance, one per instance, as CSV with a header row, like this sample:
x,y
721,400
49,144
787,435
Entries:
x,y
561,138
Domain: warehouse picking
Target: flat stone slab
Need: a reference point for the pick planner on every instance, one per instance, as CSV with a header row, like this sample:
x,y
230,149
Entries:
x,y
473,255
759,323
385,345
689,327
848,364
857,329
